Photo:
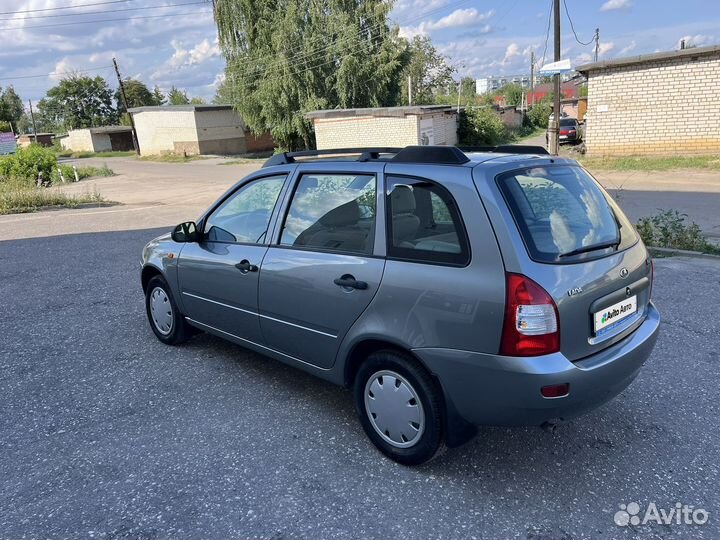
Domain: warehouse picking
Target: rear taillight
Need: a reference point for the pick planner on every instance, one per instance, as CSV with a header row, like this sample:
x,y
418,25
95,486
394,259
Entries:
x,y
531,320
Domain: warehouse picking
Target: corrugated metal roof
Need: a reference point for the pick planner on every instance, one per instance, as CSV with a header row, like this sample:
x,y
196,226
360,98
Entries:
x,y
380,111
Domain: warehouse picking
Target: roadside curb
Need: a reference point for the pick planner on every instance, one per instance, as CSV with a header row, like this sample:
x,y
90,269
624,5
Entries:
x,y
672,252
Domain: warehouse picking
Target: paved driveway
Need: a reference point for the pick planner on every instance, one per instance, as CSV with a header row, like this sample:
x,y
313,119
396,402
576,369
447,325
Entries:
x,y
106,433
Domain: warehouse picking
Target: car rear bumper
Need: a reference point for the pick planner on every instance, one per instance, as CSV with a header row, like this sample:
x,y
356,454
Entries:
x,y
485,389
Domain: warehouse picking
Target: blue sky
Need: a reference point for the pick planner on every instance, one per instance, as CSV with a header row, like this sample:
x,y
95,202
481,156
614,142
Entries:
x,y
178,45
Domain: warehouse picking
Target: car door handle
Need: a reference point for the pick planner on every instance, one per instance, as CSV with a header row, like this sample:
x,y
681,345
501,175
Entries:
x,y
244,266
348,281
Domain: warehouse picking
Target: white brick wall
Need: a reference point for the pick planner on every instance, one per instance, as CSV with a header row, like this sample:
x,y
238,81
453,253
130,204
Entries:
x,y
664,107
158,132
368,131
78,140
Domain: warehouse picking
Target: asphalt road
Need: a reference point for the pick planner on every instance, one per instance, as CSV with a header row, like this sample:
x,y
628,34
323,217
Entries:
x,y
106,433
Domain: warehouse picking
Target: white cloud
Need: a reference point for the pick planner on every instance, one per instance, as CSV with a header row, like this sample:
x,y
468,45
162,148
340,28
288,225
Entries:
x,y
605,47
615,4
203,50
457,19
62,69
698,40
628,48
511,51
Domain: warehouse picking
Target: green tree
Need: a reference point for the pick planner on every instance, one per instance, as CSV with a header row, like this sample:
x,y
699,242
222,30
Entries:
x,y
480,126
512,93
540,112
138,95
428,70
5,126
177,96
78,102
11,107
197,100
158,96
288,57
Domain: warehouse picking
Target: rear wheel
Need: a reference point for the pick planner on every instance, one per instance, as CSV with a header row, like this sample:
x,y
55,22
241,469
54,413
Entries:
x,y
165,318
399,407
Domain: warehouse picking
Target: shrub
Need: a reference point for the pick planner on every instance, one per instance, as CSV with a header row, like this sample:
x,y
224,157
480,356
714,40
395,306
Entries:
x,y
28,162
539,114
669,230
481,126
5,126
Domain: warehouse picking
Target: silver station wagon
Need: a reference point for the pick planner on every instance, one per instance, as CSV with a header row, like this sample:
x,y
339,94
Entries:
x,y
447,288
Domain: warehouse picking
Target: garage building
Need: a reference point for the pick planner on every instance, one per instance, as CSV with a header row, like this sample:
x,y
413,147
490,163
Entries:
x,y
385,126
195,129
654,104
100,139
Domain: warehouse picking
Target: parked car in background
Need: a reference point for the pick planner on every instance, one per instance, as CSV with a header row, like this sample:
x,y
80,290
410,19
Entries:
x,y
570,131
447,289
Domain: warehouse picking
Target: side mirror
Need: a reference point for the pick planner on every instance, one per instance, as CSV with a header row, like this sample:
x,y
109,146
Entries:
x,y
185,232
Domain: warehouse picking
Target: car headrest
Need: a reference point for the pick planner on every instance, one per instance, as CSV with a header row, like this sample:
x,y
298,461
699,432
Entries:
x,y
346,214
402,200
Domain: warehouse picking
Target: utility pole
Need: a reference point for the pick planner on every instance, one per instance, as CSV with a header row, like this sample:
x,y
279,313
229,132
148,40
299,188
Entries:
x,y
409,89
597,43
554,137
125,102
532,78
32,117
459,88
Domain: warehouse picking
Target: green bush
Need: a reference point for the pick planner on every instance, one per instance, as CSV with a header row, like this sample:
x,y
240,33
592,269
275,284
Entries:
x,y
28,162
5,126
669,230
481,126
540,113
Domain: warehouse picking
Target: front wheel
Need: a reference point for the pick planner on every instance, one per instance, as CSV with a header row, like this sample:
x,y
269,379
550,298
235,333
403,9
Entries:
x,y
165,318
399,406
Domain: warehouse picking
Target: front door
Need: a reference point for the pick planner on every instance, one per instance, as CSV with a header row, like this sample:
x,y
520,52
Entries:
x,y
219,275
321,275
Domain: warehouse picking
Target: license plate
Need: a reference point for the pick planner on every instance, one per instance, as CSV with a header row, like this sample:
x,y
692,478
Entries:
x,y
563,136
607,318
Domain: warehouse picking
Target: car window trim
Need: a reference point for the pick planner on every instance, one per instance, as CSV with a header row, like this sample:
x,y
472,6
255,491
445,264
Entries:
x,y
287,203
463,238
231,192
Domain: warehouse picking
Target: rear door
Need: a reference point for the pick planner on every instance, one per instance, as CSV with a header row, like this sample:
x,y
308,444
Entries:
x,y
321,271
573,240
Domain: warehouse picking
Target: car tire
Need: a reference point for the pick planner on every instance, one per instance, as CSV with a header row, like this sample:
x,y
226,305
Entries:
x,y
165,319
400,407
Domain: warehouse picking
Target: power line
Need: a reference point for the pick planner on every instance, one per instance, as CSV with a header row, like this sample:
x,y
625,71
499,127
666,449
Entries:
x,y
54,73
103,11
303,57
103,20
547,34
65,7
573,27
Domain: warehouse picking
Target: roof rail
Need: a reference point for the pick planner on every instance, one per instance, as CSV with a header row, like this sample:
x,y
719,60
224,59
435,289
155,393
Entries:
x,y
507,149
366,154
441,155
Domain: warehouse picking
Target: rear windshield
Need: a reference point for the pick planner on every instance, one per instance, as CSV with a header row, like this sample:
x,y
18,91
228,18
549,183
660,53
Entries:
x,y
567,122
563,215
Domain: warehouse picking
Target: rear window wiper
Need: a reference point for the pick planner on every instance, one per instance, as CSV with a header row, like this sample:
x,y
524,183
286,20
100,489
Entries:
x,y
585,249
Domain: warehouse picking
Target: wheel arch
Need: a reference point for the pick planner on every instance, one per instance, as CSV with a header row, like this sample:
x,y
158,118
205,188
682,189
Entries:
x,y
149,271
456,430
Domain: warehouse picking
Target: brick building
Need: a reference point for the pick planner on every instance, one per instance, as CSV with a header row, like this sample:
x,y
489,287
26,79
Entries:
x,y
385,126
195,129
654,104
102,139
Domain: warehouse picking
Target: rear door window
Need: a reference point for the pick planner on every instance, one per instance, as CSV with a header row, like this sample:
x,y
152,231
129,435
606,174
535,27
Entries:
x,y
424,223
563,215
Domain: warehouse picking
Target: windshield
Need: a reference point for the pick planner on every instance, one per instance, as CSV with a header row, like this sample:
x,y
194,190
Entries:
x,y
562,212
567,122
